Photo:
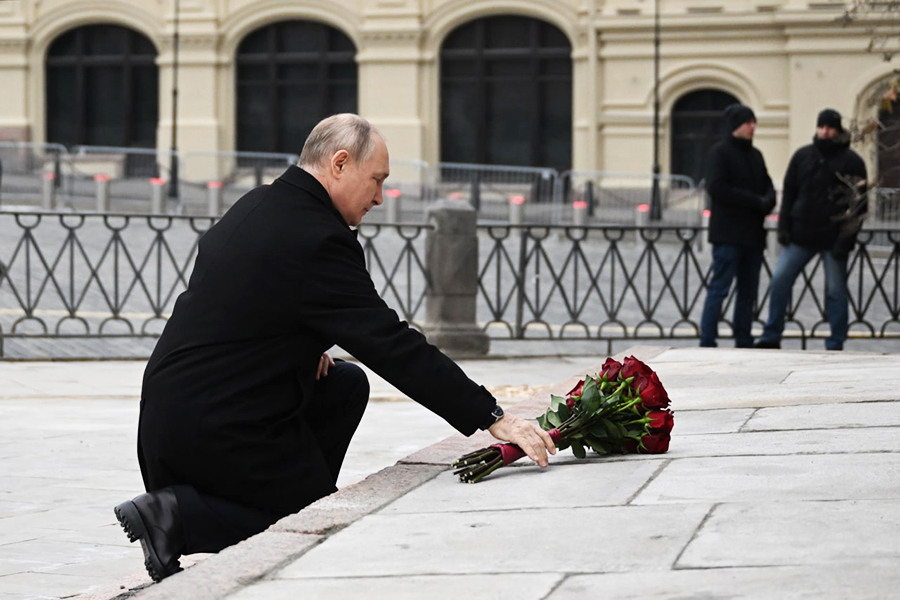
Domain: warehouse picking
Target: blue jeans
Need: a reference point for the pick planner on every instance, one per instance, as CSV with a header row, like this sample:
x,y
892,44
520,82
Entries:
x,y
790,263
730,262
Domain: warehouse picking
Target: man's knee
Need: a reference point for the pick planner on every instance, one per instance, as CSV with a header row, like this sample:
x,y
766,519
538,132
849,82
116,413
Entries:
x,y
352,380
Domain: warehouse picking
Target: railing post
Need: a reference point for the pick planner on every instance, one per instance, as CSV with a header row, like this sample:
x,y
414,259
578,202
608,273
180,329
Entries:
x,y
214,199
392,205
158,196
589,196
475,191
451,262
258,174
579,212
516,210
49,191
641,219
102,182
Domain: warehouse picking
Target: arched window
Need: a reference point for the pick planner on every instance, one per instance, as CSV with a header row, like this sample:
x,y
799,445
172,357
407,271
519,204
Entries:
x,y
291,75
888,142
102,88
506,94
697,124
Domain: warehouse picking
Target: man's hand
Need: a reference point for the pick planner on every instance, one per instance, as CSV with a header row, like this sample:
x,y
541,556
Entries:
x,y
533,440
324,363
768,202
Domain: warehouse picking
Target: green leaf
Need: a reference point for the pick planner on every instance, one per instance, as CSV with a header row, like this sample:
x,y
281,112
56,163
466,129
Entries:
x,y
590,396
578,450
563,412
553,419
598,431
542,421
596,446
611,429
555,401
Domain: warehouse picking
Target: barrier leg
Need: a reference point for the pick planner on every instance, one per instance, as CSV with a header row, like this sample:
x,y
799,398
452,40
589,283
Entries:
x,y
49,191
102,189
214,198
158,196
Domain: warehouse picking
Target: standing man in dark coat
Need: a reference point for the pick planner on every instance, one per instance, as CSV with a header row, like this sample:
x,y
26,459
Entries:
x,y
244,417
742,195
821,208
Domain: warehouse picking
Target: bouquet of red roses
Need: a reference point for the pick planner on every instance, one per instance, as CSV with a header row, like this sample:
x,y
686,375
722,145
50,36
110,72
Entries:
x,y
623,409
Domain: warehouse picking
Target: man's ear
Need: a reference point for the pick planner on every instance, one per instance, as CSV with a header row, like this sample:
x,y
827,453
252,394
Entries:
x,y
338,161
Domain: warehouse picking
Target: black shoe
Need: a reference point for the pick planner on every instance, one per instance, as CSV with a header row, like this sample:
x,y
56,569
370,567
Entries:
x,y
764,345
153,519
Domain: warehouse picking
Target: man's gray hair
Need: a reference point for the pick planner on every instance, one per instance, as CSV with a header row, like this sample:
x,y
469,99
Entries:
x,y
344,131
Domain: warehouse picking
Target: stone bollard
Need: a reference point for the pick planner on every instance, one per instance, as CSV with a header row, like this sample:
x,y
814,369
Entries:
x,y
704,233
101,181
451,262
214,198
158,196
49,191
580,212
641,220
516,210
392,205
771,226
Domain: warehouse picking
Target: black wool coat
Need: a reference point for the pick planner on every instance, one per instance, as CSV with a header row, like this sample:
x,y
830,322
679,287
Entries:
x,y
814,193
737,182
278,280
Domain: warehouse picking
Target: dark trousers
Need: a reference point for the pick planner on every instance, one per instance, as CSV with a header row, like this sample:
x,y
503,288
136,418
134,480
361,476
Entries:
x,y
334,412
731,262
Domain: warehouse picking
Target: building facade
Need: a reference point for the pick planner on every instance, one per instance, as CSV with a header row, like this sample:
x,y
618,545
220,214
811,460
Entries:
x,y
567,84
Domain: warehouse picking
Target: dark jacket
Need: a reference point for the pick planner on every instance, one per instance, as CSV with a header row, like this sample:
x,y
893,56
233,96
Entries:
x,y
814,196
740,191
277,281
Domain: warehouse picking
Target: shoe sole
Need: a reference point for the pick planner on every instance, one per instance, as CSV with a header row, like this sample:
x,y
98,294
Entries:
x,y
131,521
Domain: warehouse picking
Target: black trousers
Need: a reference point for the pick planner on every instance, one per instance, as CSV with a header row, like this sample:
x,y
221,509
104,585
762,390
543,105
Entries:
x,y
334,412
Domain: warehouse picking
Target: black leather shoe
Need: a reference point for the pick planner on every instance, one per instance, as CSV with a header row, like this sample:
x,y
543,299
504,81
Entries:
x,y
153,519
764,345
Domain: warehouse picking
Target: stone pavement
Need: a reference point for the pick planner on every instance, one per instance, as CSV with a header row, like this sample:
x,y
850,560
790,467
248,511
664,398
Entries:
x,y
782,481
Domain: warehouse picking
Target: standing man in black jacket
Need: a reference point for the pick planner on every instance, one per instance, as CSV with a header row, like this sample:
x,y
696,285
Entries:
x,y
244,417
742,195
823,197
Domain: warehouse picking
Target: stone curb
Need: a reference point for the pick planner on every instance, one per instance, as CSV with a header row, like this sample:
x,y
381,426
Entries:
x,y
223,574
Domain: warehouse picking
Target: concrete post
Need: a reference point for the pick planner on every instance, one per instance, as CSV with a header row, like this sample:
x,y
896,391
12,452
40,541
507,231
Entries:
x,y
641,220
580,210
49,191
158,196
451,260
704,234
772,245
516,210
102,184
214,198
392,205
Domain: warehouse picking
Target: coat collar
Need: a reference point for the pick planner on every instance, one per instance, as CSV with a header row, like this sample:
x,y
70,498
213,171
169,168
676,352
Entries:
x,y
297,177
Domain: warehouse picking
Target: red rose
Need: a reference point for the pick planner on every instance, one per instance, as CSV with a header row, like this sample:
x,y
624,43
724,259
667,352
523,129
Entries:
x,y
634,367
652,392
611,369
576,391
662,420
655,443
570,403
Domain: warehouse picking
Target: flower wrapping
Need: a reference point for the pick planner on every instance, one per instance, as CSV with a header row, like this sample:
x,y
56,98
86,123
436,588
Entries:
x,y
622,409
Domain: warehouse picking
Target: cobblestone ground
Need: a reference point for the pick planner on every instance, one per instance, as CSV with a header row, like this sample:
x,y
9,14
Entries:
x,y
120,276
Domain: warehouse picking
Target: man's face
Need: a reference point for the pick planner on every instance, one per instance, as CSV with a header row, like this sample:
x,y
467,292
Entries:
x,y
358,186
825,132
745,131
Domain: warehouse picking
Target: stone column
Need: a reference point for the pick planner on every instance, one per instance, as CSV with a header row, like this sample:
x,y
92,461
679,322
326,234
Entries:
x,y
451,259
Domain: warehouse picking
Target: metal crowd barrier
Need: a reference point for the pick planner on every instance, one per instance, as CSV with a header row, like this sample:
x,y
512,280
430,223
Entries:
x,y
615,198
26,166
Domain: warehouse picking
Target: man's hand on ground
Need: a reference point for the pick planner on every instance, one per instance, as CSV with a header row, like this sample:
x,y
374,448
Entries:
x,y
533,440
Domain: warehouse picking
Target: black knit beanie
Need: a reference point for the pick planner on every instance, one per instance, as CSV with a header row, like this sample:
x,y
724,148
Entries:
x,y
738,114
831,118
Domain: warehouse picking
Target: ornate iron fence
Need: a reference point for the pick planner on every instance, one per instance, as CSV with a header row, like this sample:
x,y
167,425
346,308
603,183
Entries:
x,y
107,276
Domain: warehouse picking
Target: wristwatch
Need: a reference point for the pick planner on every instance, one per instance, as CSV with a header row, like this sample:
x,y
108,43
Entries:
x,y
496,415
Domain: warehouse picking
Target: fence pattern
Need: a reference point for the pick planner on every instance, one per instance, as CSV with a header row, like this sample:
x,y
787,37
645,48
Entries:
x,y
65,275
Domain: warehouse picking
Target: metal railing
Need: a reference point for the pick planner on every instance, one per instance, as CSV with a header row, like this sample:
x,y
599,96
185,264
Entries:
x,y
103,276
106,276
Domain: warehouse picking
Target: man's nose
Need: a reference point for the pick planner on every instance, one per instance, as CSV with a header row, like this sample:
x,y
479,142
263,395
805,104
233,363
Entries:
x,y
379,196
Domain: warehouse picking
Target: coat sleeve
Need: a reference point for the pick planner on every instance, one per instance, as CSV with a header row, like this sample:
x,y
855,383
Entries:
x,y
788,196
340,305
723,191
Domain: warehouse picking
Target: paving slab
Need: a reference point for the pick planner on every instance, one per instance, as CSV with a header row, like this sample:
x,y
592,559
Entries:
x,y
440,587
508,541
831,416
776,479
790,533
875,580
